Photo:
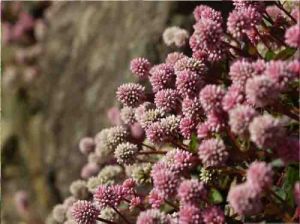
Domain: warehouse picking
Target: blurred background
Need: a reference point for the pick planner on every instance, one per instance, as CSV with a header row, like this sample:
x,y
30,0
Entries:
x,y
61,64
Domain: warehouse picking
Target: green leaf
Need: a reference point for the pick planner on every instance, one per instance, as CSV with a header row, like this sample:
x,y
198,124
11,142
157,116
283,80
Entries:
x,y
285,54
270,55
291,177
215,196
193,143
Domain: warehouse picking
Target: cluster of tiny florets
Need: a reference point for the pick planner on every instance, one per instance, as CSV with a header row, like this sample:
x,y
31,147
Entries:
x,y
208,136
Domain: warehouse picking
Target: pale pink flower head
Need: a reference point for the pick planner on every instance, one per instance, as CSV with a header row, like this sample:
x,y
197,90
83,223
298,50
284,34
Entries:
x,y
155,133
84,212
215,121
212,152
261,91
240,71
131,94
192,192
165,181
187,127
162,77
209,33
113,115
190,64
140,67
190,214
108,195
175,35
141,109
213,215
244,202
296,14
167,100
173,57
87,145
279,73
149,117
297,193
89,170
294,67
211,98
127,115
289,150
259,176
117,135
188,83
276,14
240,21
206,12
137,132
203,130
125,153
155,198
233,97
152,216
170,125
135,202
191,108
128,186
240,118
178,160
267,131
292,36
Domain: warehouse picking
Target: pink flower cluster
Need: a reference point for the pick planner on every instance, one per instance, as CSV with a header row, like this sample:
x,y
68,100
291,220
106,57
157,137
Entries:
x,y
220,123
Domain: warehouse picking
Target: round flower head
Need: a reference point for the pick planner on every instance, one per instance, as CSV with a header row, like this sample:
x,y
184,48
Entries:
x,y
175,35
276,14
170,125
288,150
110,174
240,72
131,94
137,133
113,115
297,193
206,12
59,213
167,100
117,135
215,121
84,212
213,215
125,153
86,145
259,176
292,36
150,116
127,115
140,110
152,216
162,77
165,181
191,192
192,108
190,214
79,189
296,14
294,68
240,118
140,67
242,199
188,83
279,73
155,199
240,21
190,64
187,127
261,91
209,33
89,170
155,133
108,195
211,98
266,131
178,160
203,130
172,58
212,152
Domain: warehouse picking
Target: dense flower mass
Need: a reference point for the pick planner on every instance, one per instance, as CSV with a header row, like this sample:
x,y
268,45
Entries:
x,y
208,136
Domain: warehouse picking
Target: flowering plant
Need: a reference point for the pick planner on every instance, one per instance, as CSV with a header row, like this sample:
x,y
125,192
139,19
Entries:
x,y
209,137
